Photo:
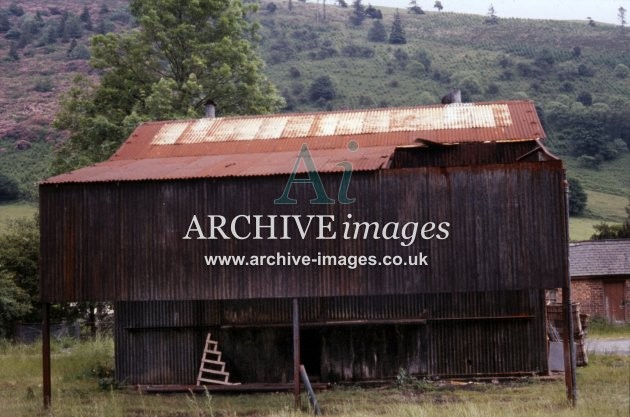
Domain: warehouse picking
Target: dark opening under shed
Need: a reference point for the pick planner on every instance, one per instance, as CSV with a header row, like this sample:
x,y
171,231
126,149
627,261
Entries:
x,y
420,238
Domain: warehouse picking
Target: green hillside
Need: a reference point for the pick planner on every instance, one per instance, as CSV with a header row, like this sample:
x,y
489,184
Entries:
x,y
575,73
320,59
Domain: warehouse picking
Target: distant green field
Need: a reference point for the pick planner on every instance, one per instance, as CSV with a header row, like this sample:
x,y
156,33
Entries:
x,y
581,228
612,178
12,211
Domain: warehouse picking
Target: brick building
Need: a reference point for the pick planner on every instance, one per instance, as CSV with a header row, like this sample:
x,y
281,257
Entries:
x,y
600,278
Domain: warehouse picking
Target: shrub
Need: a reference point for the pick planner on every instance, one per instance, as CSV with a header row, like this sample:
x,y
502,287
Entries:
x,y
322,88
524,70
471,85
80,52
587,161
545,60
121,16
416,69
43,85
507,75
5,25
294,72
297,88
577,197
9,189
585,98
402,57
72,28
585,71
377,32
15,9
365,101
280,51
13,34
505,62
357,51
492,89
622,71
373,12
422,56
619,145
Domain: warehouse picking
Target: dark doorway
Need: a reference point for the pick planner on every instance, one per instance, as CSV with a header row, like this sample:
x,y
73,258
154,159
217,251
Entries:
x,y
614,302
311,352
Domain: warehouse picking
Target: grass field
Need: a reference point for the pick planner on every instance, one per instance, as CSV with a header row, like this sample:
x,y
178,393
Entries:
x,y
15,211
581,228
603,391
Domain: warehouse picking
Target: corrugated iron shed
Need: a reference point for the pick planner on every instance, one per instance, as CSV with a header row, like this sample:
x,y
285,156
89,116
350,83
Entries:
x,y
267,145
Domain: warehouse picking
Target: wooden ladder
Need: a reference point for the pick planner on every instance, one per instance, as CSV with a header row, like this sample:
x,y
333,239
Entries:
x,y
212,368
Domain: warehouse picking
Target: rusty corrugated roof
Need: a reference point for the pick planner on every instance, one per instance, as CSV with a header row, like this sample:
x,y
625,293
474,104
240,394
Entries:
x,y
245,165
268,144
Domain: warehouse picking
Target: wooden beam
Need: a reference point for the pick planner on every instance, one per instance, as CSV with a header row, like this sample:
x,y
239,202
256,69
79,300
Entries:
x,y
309,390
330,323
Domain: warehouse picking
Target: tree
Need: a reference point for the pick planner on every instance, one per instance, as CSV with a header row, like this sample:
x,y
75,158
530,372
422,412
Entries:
x,y
9,189
438,5
15,9
613,231
591,22
621,15
377,32
14,303
585,98
414,8
373,12
71,27
358,13
545,60
86,19
397,34
19,283
5,24
577,197
621,71
322,88
13,52
342,3
183,55
492,18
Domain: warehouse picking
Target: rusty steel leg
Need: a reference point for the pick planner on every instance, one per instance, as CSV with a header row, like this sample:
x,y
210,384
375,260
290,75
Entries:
x,y
568,339
46,355
296,354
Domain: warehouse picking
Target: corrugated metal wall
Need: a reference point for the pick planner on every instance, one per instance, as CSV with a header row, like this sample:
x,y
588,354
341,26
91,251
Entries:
x,y
465,334
124,241
481,293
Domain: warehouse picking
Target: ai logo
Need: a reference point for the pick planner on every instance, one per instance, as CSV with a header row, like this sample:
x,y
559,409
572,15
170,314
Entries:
x,y
315,180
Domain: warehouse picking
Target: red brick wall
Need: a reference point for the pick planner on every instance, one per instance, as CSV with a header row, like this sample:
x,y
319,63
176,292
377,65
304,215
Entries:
x,y
589,293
